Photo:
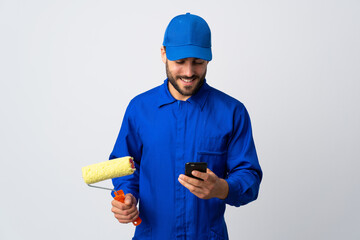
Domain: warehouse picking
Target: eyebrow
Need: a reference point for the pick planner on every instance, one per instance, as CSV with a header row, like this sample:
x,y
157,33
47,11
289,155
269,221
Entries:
x,y
189,57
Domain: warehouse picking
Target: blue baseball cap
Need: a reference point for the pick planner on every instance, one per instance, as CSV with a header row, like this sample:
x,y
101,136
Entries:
x,y
188,35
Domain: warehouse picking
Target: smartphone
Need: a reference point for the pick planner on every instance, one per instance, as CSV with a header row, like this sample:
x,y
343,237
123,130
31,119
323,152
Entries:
x,y
198,166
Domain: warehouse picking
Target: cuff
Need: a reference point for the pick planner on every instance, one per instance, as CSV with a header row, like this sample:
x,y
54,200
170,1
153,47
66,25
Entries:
x,y
233,195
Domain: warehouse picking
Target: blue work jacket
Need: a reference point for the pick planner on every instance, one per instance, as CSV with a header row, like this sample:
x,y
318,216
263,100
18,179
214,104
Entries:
x,y
162,134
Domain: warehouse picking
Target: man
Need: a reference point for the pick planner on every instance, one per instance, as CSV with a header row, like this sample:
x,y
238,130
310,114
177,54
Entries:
x,y
185,120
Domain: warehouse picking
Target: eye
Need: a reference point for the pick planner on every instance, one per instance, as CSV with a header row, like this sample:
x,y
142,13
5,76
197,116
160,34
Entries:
x,y
179,62
199,61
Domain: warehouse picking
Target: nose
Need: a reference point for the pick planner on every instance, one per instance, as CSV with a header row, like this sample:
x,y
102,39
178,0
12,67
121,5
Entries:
x,y
188,69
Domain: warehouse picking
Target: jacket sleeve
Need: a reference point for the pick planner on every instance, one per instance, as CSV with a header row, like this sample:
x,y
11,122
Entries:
x,y
244,172
128,143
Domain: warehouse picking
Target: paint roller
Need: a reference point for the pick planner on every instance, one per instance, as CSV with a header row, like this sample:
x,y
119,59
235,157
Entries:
x,y
114,168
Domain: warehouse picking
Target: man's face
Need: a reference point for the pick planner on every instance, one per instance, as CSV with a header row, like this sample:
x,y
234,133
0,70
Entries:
x,y
186,76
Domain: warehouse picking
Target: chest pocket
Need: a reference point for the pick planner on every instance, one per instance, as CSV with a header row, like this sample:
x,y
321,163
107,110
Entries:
x,y
213,151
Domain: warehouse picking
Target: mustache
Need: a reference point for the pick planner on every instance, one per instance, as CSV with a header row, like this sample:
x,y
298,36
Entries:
x,y
189,78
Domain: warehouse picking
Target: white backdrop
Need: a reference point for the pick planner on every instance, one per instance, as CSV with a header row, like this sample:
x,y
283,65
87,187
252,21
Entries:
x,y
69,68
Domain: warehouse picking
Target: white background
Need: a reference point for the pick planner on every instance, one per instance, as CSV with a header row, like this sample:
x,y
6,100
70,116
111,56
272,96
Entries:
x,y
69,68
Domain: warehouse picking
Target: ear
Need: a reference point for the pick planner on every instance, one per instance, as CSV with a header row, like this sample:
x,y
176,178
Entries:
x,y
163,54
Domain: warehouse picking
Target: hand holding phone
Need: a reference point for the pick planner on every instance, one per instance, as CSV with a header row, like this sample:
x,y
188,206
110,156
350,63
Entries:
x,y
211,186
198,166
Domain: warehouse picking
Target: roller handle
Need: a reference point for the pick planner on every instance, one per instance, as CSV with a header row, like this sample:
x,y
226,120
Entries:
x,y
120,196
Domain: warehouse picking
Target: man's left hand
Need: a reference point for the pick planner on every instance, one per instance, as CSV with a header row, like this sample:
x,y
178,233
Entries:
x,y
211,187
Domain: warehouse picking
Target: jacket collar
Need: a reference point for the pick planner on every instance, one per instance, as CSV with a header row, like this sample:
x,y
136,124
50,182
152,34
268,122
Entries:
x,y
199,98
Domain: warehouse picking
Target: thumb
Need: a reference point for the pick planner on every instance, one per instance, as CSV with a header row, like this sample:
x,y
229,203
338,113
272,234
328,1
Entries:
x,y
210,172
212,175
128,199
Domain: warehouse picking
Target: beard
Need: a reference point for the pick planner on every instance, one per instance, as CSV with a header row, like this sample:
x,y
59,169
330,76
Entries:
x,y
188,90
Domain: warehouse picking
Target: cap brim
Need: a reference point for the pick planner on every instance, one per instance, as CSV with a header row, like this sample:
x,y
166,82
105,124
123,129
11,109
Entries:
x,y
189,51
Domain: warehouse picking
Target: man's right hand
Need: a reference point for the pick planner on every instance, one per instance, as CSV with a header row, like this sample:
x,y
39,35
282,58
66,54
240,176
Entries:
x,y
125,212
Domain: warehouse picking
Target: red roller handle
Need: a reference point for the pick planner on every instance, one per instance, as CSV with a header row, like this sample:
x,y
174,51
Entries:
x,y
120,196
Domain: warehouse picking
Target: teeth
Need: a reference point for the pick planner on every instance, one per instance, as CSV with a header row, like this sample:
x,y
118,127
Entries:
x,y
187,80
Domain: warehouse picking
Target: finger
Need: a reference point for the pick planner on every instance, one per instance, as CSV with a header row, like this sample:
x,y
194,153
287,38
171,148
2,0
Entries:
x,y
119,205
124,210
209,171
191,180
128,221
128,217
128,214
202,175
208,176
192,188
200,192
125,214
135,217
129,199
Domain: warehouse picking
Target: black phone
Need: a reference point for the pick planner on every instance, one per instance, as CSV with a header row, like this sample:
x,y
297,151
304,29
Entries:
x,y
198,166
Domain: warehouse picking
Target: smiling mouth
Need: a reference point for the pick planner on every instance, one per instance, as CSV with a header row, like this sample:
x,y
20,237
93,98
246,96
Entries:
x,y
187,80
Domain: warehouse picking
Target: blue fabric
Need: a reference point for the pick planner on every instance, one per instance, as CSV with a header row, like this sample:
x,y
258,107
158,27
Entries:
x,y
162,134
188,35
